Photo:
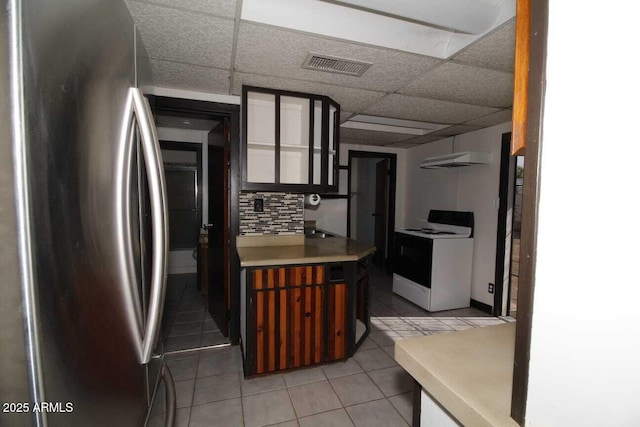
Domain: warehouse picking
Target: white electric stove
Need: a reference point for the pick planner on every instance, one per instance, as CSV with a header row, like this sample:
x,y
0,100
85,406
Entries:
x,y
432,266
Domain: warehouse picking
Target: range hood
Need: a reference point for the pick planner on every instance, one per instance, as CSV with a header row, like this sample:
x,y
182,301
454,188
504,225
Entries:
x,y
454,160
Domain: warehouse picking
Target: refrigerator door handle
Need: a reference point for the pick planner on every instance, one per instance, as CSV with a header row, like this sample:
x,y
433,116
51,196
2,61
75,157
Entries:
x,y
159,220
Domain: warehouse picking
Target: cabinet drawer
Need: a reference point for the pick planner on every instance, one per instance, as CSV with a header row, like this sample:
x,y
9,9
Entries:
x,y
286,277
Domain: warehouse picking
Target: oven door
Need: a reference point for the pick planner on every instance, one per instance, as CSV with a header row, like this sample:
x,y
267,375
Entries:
x,y
413,258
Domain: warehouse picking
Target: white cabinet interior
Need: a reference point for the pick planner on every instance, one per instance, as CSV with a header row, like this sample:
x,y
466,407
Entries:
x,y
261,137
291,141
317,142
294,140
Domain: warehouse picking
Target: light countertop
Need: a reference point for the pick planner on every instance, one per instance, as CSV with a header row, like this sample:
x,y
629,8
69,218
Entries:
x,y
301,251
468,372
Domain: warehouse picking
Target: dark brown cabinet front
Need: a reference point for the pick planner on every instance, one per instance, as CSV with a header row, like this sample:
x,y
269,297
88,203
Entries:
x,y
295,317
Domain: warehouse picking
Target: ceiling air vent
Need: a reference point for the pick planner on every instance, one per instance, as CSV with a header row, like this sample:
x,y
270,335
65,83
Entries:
x,y
333,64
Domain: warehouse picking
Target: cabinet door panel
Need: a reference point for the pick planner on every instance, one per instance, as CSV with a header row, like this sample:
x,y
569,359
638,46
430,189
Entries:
x,y
294,140
317,142
289,321
336,322
260,332
261,137
295,325
283,338
272,328
317,326
333,144
261,164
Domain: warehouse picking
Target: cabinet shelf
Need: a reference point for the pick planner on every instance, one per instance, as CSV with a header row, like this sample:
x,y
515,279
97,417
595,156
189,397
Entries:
x,y
294,147
272,145
262,144
317,150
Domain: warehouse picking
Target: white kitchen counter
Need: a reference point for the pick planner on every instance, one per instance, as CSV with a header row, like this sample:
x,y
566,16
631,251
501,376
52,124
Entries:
x,y
469,372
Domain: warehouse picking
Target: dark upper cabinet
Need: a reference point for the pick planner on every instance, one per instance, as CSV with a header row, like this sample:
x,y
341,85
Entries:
x,y
290,141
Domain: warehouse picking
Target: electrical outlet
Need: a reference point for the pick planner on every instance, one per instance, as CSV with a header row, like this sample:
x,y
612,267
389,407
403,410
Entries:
x,y
258,205
491,288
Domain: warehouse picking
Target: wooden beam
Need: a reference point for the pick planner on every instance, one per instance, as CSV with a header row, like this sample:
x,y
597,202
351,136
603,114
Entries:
x,y
531,194
521,77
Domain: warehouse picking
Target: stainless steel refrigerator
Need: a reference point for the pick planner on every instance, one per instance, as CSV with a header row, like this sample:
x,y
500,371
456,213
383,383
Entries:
x,y
83,219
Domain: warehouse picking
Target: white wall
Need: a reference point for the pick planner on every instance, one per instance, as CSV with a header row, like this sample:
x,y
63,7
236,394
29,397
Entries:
x,y
331,215
473,188
585,343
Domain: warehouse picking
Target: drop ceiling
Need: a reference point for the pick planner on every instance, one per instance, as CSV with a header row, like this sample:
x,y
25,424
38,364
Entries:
x,y
456,79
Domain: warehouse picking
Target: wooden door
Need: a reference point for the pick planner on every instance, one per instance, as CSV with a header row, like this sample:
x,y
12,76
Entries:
x,y
380,227
218,250
286,318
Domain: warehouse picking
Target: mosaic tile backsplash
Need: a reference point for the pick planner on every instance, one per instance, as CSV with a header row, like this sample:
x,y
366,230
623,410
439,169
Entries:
x,y
283,214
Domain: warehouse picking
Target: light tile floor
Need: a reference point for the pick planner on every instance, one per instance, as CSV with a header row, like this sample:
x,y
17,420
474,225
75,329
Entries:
x,y
186,322
369,389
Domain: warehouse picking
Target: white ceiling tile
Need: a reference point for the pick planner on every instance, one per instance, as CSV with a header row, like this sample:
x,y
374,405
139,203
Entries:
x,y
454,130
345,115
496,50
190,77
372,135
277,52
348,98
403,144
222,8
464,83
181,36
423,139
426,110
496,118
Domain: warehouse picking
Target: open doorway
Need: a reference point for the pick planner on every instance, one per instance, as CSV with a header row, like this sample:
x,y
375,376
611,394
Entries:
x,y
518,183
371,203
507,269
195,151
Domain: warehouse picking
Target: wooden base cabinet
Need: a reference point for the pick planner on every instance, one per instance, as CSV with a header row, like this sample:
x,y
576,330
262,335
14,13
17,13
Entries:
x,y
295,316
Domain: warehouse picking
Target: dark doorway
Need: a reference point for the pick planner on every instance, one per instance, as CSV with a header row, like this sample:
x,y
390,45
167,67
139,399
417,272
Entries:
x,y
371,203
514,276
509,227
381,212
206,295
505,228
217,230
